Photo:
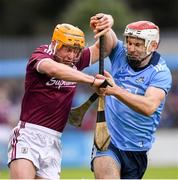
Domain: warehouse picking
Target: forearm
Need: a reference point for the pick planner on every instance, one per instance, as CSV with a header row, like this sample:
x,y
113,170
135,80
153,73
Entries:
x,y
110,41
64,72
146,104
73,75
141,104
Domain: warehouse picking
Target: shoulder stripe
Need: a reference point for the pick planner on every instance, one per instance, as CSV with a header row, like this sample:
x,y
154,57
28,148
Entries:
x,y
49,50
159,67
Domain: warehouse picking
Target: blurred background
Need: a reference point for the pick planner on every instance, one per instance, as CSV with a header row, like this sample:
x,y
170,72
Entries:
x,y
26,24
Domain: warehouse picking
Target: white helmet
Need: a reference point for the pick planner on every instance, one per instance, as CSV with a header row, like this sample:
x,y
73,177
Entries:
x,y
144,30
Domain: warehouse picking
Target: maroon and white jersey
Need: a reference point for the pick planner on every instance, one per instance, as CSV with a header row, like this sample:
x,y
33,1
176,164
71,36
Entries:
x,y
47,100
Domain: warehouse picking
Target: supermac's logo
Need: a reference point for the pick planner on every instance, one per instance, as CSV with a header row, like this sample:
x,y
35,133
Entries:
x,y
60,83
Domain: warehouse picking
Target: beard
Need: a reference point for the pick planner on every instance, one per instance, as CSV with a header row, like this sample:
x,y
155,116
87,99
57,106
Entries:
x,y
135,62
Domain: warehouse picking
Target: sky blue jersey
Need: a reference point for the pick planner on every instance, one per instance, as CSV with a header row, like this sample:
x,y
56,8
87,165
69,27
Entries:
x,y
132,131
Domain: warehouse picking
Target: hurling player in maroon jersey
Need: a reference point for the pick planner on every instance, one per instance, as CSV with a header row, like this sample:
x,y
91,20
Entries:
x,y
50,83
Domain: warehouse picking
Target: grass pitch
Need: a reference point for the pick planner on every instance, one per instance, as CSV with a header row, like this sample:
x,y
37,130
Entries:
x,y
84,173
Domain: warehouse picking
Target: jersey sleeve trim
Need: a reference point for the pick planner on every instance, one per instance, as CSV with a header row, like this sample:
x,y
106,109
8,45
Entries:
x,y
38,63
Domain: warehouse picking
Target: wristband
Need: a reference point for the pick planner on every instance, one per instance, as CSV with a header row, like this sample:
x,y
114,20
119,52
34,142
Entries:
x,y
93,81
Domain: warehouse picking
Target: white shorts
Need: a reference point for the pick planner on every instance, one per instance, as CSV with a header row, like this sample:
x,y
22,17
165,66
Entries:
x,y
38,144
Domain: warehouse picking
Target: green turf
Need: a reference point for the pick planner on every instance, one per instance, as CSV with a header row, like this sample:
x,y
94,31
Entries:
x,y
161,173
4,174
76,174
83,173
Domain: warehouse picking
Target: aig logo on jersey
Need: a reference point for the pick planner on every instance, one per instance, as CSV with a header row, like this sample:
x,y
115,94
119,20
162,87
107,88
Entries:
x,y
140,80
24,150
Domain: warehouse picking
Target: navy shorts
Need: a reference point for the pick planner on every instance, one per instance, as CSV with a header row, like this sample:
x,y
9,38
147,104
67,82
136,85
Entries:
x,y
133,163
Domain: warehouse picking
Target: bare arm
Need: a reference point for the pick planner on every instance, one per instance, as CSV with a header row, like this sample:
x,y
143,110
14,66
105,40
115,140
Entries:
x,y
64,72
145,105
110,41
101,25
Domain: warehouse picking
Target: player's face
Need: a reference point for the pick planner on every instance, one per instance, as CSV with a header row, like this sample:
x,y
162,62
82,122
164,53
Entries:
x,y
136,48
68,55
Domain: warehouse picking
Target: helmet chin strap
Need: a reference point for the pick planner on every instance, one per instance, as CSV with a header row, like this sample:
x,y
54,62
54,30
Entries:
x,y
135,63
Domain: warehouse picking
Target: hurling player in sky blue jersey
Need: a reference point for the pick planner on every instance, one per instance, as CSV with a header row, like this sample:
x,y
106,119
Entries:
x,y
51,75
141,82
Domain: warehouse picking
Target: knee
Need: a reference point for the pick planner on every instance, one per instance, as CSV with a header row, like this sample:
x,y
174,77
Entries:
x,y
105,168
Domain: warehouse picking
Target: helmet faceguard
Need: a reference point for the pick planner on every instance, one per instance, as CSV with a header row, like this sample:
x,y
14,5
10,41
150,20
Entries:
x,y
68,35
145,30
71,61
